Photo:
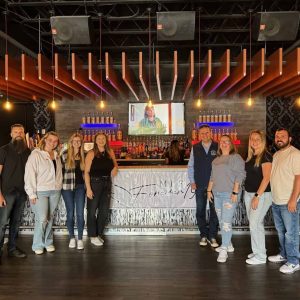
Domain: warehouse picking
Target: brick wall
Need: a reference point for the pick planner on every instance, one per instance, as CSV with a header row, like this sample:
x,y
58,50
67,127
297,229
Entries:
x,y
68,115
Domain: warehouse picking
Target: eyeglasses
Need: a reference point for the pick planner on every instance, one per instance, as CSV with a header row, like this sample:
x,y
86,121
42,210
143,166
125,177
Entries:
x,y
225,142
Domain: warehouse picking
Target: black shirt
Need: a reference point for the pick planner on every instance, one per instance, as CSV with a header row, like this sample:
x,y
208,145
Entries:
x,y
78,173
102,165
254,174
12,177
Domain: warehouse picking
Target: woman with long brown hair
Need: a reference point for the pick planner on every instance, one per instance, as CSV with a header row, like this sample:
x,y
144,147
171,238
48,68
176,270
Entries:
x,y
257,194
174,155
43,183
100,166
73,191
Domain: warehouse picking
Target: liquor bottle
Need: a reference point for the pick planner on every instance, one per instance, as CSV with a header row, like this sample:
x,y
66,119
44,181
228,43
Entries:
x,y
107,118
216,117
215,135
93,119
113,136
212,117
194,133
88,118
83,119
102,118
229,116
208,117
119,133
97,118
109,136
200,119
204,118
43,132
219,135
111,118
235,134
220,117
224,116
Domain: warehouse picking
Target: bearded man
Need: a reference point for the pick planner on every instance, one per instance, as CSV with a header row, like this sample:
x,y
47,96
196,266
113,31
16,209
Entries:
x,y
13,158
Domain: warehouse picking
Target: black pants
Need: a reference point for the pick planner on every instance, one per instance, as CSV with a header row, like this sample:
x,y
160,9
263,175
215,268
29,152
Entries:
x,y
98,207
11,215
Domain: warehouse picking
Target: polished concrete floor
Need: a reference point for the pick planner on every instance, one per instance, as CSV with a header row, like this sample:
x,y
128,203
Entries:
x,y
144,267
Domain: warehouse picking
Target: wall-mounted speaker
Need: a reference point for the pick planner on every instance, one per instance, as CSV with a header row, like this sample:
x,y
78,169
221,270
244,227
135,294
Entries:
x,y
276,26
68,30
175,26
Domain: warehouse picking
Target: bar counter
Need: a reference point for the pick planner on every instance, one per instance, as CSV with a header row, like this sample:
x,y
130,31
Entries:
x,y
148,199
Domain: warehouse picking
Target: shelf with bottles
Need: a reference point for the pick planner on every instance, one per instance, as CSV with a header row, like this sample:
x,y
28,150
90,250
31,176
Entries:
x,y
98,120
215,118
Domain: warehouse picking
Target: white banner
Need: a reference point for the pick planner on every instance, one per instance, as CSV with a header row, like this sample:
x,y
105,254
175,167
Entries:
x,y
152,188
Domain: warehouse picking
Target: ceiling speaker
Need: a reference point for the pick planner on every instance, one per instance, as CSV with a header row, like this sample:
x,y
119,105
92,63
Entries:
x,y
276,26
68,30
175,26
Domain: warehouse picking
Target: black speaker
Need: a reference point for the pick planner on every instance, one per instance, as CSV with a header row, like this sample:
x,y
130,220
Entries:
x,y
68,30
175,26
276,26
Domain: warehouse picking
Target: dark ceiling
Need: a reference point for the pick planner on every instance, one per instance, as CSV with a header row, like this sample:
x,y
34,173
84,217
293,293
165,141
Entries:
x,y
125,26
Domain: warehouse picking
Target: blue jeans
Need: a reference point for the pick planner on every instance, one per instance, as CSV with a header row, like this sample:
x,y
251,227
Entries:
x,y
75,199
256,223
287,226
225,210
11,214
43,209
209,230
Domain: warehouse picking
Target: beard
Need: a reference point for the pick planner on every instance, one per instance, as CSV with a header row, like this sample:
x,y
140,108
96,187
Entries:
x,y
19,145
282,144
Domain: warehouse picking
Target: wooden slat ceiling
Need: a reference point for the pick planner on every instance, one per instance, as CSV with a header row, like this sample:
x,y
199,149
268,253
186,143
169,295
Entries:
x,y
31,79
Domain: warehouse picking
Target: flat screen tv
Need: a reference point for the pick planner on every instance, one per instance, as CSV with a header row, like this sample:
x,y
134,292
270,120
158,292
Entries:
x,y
158,119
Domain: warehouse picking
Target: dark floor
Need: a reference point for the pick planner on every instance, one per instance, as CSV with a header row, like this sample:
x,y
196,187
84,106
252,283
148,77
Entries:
x,y
144,267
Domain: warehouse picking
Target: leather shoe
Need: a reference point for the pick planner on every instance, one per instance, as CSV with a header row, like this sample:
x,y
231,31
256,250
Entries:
x,y
17,253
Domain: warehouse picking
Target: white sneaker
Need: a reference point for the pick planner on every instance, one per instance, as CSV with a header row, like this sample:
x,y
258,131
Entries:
x,y
222,258
213,243
80,245
230,248
102,240
72,243
254,261
250,255
39,251
96,241
50,248
276,258
289,268
203,242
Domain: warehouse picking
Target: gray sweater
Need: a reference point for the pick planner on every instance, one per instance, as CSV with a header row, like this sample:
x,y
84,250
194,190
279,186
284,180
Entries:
x,y
226,170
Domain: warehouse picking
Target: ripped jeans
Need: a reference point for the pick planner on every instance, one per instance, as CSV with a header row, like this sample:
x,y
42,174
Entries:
x,y
225,210
44,209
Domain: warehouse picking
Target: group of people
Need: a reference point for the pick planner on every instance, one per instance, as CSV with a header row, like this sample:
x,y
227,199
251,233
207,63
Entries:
x,y
43,175
217,174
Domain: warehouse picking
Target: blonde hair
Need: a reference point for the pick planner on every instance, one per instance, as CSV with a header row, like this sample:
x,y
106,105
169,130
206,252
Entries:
x,y
107,148
42,142
71,157
262,151
232,146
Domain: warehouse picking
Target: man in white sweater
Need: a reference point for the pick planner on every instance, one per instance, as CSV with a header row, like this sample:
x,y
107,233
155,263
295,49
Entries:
x,y
285,186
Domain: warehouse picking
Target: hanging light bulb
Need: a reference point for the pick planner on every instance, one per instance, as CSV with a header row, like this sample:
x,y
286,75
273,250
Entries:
x,y
250,101
298,101
7,104
199,102
102,104
53,104
150,104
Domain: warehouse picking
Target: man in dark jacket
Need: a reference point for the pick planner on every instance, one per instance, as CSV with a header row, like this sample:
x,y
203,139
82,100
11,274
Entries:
x,y
13,158
199,169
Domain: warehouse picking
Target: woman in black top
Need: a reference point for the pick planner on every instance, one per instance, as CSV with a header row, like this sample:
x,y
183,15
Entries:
x,y
175,155
257,194
100,165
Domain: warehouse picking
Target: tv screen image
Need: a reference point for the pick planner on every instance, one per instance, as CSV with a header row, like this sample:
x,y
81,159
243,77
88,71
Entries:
x,y
158,119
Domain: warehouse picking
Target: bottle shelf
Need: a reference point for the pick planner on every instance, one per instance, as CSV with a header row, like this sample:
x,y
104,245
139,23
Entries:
x,y
99,126
216,124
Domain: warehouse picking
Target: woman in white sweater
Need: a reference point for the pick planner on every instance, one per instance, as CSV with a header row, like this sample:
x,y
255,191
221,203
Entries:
x,y
43,183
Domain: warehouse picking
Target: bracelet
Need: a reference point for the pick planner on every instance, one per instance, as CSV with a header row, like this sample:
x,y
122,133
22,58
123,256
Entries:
x,y
208,191
256,195
234,193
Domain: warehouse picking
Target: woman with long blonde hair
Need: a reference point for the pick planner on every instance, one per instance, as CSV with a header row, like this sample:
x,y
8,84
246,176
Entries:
x,y
257,194
43,183
73,191
100,166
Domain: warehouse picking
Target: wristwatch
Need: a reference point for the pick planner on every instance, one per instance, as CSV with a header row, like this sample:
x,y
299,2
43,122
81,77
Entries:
x,y
234,193
256,195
